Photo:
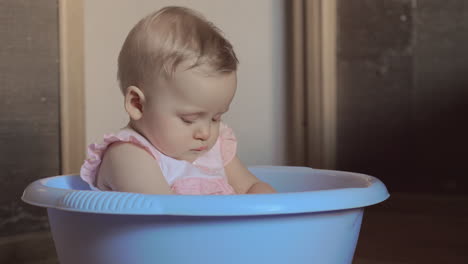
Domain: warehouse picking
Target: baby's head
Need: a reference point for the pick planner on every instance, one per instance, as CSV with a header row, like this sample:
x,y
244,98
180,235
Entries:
x,y
178,75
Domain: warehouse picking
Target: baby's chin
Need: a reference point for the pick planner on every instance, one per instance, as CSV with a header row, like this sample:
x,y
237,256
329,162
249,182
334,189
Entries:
x,y
191,156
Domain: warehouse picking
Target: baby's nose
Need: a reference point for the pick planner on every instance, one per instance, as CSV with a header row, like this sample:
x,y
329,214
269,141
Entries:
x,y
203,132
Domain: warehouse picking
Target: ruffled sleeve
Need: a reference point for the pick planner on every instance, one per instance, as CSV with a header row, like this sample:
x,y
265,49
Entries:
x,y
228,143
90,167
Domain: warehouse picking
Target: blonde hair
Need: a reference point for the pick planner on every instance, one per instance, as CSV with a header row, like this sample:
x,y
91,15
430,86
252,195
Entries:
x,y
161,41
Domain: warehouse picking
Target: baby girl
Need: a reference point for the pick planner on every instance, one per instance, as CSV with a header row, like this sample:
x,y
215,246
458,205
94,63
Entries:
x,y
178,77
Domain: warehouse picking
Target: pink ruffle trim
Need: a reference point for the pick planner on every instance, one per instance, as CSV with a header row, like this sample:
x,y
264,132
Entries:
x,y
91,165
202,186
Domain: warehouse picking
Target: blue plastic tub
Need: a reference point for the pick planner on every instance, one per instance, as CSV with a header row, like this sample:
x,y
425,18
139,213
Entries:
x,y
315,218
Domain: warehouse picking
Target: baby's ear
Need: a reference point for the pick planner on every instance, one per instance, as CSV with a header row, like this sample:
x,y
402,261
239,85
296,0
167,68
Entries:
x,y
134,102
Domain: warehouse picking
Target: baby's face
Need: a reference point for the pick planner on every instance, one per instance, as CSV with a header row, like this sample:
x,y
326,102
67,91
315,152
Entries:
x,y
182,115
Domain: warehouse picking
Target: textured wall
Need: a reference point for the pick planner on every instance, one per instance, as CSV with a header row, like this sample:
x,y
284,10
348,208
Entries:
x,y
402,92
440,93
29,107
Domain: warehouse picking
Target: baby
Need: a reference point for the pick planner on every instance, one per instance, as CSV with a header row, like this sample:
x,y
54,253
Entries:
x,y
178,76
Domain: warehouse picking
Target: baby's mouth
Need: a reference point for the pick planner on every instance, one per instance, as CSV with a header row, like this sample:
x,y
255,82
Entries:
x,y
200,148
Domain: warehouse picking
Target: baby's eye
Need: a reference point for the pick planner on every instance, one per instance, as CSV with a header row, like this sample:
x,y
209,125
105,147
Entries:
x,y
187,120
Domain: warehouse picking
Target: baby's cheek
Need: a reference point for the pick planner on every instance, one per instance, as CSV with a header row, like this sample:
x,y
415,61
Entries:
x,y
215,136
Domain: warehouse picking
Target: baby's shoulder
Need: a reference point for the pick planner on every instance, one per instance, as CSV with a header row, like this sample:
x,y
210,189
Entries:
x,y
130,168
125,150
115,150
125,157
127,141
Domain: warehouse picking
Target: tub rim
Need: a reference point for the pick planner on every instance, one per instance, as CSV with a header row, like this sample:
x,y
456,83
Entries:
x,y
121,203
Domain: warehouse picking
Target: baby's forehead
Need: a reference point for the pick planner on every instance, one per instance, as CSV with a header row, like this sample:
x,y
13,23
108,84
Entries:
x,y
197,81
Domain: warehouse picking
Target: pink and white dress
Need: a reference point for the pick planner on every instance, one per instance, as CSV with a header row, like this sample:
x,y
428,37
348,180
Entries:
x,y
204,176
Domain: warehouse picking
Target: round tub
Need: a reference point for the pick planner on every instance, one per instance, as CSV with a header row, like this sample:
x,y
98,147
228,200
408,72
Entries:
x,y
315,218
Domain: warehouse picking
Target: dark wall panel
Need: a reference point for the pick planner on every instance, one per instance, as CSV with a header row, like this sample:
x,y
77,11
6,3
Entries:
x,y
29,107
402,92
440,95
374,86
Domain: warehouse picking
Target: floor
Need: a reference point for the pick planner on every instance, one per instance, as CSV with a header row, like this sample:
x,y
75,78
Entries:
x,y
413,229
35,248
405,229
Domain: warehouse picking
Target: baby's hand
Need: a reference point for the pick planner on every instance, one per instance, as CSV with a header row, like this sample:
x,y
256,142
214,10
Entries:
x,y
243,181
261,187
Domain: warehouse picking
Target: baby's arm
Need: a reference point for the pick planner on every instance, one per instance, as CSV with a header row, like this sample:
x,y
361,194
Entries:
x,y
243,181
129,168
